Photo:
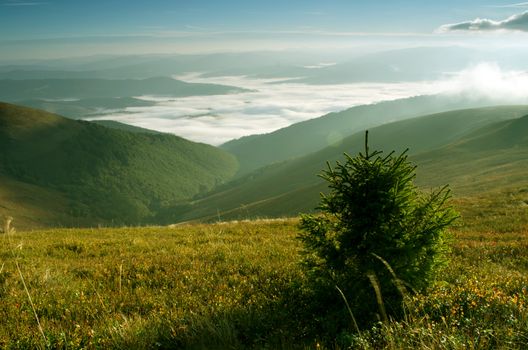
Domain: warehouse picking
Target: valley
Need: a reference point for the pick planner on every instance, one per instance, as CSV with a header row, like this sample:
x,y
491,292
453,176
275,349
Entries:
x,y
264,176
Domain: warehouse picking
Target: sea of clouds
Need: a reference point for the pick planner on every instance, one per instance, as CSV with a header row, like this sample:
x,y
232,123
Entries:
x,y
272,105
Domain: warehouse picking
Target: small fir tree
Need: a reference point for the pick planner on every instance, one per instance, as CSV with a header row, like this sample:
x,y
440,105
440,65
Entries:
x,y
375,233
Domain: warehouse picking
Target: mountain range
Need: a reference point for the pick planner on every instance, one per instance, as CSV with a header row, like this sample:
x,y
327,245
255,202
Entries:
x,y
312,135
457,147
409,64
56,171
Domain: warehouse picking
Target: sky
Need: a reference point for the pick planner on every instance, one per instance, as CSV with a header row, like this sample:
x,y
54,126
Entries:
x,y
44,28
50,29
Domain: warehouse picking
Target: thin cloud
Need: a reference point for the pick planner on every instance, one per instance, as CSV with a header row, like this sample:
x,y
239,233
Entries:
x,y
518,22
518,5
193,31
191,27
22,3
315,13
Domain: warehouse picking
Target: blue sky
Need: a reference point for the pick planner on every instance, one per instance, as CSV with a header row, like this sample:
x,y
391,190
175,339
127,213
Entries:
x,y
22,20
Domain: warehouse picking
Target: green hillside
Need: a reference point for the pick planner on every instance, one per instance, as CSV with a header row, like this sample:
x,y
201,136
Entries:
x,y
108,175
34,206
61,172
312,135
490,159
291,187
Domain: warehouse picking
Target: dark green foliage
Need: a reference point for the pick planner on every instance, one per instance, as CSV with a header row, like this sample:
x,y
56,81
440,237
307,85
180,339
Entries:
x,y
376,232
111,176
112,124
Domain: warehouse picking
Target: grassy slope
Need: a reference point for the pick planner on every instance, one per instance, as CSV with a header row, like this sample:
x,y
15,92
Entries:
x,y
105,173
104,285
491,158
33,206
312,135
233,285
292,187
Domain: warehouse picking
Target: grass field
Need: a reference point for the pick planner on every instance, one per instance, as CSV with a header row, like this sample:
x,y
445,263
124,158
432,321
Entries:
x,y
239,285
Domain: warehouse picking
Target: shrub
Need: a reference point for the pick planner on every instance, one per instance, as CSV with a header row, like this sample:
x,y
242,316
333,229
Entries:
x,y
375,233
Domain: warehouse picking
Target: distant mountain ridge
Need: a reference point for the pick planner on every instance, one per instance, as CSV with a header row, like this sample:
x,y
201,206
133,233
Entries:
x,y
396,65
16,90
60,172
83,98
82,108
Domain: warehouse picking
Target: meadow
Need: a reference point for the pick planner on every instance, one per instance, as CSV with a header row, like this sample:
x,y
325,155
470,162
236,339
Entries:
x,y
239,285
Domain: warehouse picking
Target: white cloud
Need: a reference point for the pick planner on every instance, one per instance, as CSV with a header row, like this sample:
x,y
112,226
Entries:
x,y
217,119
488,80
517,5
22,3
518,22
320,65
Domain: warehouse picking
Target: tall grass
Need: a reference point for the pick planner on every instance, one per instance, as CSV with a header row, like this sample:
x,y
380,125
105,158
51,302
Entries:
x,y
8,229
186,286
239,285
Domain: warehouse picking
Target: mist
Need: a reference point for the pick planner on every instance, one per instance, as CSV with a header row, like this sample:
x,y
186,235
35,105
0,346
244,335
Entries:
x,y
272,105
488,80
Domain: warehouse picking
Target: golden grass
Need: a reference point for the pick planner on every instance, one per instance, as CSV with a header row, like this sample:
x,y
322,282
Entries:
x,y
229,285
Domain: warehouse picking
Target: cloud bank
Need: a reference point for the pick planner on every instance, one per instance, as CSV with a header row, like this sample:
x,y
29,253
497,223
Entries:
x,y
518,22
271,106
487,80
14,3
516,5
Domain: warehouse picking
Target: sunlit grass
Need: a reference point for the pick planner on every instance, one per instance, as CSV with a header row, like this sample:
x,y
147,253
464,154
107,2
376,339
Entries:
x,y
102,287
238,285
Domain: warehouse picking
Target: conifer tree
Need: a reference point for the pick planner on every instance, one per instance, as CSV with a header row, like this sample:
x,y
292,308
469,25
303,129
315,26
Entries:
x,y
376,233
